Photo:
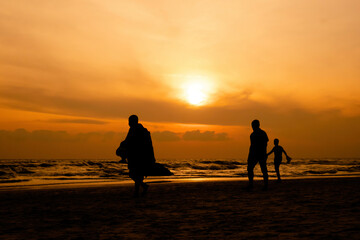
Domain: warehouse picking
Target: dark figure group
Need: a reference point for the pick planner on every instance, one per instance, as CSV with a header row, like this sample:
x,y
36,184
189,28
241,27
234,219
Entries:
x,y
258,154
137,148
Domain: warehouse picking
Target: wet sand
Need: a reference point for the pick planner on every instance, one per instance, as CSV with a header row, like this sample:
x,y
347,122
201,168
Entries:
x,y
322,208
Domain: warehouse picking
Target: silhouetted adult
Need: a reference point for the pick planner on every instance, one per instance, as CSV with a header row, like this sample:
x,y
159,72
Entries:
x,y
139,152
257,153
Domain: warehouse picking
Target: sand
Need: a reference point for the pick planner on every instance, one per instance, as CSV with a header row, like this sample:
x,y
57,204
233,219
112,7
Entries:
x,y
323,208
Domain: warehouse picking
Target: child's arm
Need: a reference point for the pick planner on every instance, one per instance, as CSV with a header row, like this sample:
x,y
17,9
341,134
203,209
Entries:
x,y
287,157
271,152
284,152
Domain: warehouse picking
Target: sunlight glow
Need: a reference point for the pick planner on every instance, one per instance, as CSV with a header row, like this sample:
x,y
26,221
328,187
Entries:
x,y
197,90
195,94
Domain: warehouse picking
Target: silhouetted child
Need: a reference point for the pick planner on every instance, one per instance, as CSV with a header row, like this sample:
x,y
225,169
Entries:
x,y
278,150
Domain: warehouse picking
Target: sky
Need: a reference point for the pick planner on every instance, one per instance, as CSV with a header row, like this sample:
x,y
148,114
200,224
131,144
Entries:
x,y
195,72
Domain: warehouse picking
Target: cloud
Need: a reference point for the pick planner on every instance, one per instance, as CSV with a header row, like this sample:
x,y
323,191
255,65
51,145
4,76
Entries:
x,y
165,136
39,100
21,143
196,135
240,113
79,120
56,49
25,144
23,135
48,136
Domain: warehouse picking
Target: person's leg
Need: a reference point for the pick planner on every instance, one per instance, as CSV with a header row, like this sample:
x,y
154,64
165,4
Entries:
x,y
145,188
137,188
250,169
143,185
264,172
277,170
135,177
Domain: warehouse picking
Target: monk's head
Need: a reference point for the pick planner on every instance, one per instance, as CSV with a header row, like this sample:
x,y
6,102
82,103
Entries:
x,y
133,120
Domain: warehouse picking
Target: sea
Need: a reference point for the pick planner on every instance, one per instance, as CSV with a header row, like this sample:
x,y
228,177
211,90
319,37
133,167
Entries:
x,y
59,171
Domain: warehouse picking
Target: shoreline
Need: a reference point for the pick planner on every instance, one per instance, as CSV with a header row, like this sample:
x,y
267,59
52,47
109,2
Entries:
x,y
59,184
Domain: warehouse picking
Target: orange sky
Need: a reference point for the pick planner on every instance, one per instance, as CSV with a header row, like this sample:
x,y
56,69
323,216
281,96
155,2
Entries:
x,y
71,72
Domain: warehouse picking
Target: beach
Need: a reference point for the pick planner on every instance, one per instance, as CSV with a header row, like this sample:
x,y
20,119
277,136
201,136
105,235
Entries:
x,y
314,208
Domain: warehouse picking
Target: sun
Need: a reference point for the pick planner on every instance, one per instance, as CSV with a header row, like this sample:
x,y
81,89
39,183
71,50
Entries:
x,y
195,94
194,89
197,90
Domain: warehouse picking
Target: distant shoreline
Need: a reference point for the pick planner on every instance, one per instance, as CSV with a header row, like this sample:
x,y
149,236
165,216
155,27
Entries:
x,y
31,185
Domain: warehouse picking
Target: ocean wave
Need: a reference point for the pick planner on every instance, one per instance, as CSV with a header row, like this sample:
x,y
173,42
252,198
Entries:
x,y
320,161
95,164
241,174
22,170
6,175
214,167
7,166
14,180
30,165
177,165
321,171
67,178
350,169
110,168
219,162
47,165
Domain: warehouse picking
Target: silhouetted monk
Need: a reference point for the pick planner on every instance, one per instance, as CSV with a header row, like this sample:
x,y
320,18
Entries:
x,y
257,153
278,151
137,148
